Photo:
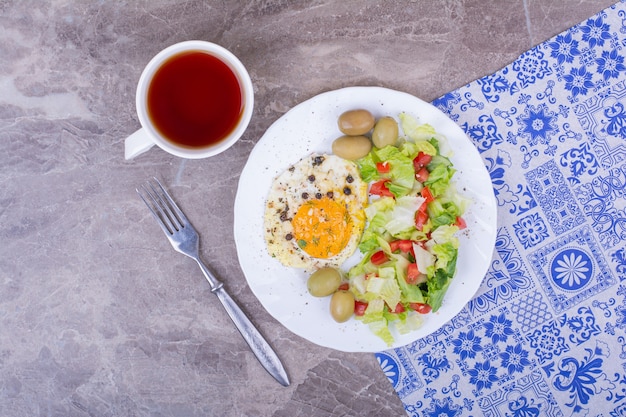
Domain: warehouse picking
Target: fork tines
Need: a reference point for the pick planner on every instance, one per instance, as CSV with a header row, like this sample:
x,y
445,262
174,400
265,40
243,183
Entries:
x,y
163,208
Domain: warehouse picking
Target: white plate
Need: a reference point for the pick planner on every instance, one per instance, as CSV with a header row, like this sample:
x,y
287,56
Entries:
x,y
311,127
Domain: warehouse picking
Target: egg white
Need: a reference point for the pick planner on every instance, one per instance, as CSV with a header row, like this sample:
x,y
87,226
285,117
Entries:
x,y
316,176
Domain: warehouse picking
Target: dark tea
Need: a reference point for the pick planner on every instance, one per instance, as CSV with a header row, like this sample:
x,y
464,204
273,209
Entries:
x,y
194,100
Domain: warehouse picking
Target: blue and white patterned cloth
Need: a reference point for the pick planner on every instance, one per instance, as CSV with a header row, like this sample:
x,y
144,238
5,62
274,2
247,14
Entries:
x,y
546,332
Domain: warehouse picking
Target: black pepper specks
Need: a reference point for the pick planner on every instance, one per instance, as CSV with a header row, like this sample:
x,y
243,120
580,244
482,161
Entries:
x,y
349,179
347,190
305,196
288,236
318,160
330,194
318,195
311,178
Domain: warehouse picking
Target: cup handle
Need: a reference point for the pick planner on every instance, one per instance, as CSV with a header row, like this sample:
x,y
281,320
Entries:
x,y
136,144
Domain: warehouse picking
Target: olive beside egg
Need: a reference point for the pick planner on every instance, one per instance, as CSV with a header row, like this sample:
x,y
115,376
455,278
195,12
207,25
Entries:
x,y
352,147
342,306
325,282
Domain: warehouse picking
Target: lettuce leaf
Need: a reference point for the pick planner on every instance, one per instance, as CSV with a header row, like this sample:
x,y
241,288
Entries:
x,y
439,179
445,267
376,227
378,214
442,213
398,190
423,259
381,329
367,167
380,205
385,288
414,130
413,321
452,196
437,286
411,149
411,293
446,234
401,171
402,216
446,254
364,266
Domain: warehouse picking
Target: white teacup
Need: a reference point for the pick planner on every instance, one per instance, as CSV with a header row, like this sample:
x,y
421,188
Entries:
x,y
194,100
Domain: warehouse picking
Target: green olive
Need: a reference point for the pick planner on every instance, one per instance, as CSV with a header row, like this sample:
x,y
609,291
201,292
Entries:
x,y
356,122
342,306
352,147
324,282
385,132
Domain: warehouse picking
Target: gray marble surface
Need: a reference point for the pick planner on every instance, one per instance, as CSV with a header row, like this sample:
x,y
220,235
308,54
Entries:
x,y
98,315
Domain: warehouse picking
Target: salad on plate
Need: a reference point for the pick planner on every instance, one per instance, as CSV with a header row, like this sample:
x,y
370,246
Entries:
x,y
410,243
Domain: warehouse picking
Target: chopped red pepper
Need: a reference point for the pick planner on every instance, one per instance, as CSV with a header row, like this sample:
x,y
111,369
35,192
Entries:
x,y
399,308
359,308
412,274
420,308
422,174
421,160
421,217
380,188
427,194
383,167
379,258
402,245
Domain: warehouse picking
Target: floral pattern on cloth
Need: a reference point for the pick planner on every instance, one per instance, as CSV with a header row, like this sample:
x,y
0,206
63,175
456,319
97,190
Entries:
x,y
545,335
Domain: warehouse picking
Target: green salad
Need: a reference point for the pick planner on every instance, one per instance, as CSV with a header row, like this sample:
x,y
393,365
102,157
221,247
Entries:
x,y
409,245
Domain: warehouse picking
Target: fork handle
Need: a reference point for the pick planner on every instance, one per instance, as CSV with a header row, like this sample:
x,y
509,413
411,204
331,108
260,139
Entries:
x,y
259,346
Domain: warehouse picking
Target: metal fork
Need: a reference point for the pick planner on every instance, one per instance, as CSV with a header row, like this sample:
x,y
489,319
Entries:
x,y
185,240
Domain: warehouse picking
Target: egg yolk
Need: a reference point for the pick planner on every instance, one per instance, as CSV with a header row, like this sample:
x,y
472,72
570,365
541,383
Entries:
x,y
322,227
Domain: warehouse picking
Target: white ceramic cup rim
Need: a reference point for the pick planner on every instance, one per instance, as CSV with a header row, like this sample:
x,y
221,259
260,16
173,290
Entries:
x,y
225,56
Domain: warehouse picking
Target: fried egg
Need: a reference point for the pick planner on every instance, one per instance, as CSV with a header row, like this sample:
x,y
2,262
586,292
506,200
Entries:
x,y
314,215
